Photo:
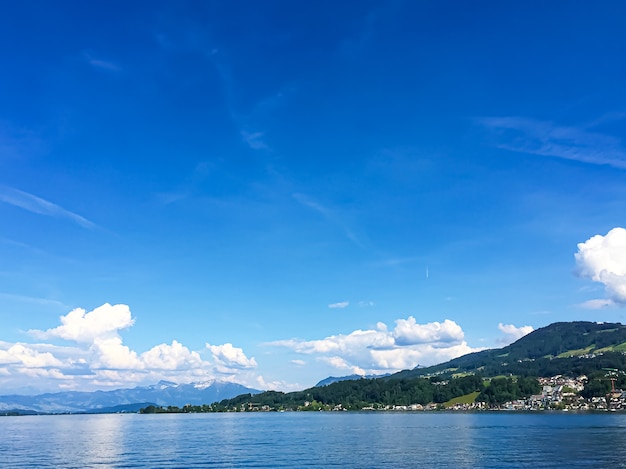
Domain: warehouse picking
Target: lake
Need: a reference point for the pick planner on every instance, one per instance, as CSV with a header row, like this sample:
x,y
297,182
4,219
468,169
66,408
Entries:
x,y
307,440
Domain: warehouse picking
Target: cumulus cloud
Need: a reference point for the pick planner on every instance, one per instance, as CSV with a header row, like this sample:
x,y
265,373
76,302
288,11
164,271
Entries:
x,y
22,354
80,326
408,332
513,333
603,260
383,350
98,357
339,305
284,386
171,357
231,357
342,364
111,353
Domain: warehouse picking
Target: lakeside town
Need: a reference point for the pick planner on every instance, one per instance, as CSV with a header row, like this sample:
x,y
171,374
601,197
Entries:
x,y
557,393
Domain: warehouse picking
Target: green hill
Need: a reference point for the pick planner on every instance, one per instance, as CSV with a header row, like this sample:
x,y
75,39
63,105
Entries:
x,y
567,348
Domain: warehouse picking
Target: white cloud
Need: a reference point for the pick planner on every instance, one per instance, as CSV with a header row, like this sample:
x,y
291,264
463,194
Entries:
x,y
80,326
408,332
342,364
277,385
98,358
111,353
356,340
171,357
598,303
603,260
40,206
423,354
514,333
383,350
231,357
339,305
22,354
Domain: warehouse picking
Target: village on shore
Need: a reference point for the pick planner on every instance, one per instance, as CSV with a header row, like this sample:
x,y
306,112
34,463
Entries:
x,y
557,393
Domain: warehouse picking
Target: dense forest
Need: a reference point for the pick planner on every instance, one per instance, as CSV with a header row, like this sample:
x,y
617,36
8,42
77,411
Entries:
x,y
375,394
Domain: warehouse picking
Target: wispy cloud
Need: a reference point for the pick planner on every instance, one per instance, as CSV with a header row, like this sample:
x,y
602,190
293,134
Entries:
x,y
35,204
339,305
32,299
254,140
546,138
329,215
598,303
100,63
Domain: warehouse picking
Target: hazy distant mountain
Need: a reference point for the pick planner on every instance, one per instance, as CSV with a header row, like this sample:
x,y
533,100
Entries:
x,y
163,393
334,379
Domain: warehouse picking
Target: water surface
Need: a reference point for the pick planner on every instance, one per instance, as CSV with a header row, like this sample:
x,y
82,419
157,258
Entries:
x,y
308,440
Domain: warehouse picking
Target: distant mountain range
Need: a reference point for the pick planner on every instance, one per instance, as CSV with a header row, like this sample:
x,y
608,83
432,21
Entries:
x,y
163,393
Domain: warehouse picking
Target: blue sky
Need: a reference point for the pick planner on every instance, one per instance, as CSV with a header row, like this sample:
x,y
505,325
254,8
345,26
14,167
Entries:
x,y
275,192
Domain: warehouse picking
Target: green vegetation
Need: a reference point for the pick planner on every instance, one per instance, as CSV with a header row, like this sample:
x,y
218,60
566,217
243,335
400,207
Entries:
x,y
465,399
576,353
172,409
372,394
613,348
565,348
501,390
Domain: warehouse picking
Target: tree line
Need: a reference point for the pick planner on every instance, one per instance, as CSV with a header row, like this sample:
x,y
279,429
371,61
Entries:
x,y
372,393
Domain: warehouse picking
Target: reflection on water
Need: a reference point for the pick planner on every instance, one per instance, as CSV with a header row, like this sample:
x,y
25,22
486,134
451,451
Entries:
x,y
488,440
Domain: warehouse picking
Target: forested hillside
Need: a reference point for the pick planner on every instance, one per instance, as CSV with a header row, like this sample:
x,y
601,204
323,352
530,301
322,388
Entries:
x,y
560,348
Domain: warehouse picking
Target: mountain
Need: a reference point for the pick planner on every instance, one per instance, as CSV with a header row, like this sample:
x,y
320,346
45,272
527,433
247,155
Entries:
x,y
334,379
577,347
163,393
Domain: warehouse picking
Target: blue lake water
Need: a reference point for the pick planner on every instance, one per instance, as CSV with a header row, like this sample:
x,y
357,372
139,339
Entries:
x,y
307,440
